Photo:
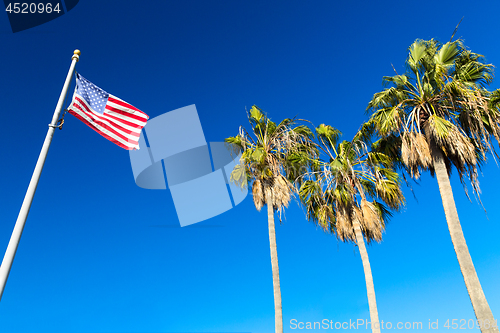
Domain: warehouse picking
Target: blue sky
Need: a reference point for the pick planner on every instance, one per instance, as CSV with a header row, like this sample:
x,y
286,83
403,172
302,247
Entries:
x,y
99,254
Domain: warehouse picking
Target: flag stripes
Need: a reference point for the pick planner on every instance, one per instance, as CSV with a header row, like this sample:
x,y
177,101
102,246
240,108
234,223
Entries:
x,y
86,121
102,125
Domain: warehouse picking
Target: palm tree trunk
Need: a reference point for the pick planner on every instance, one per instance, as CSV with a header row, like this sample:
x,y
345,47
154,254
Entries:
x,y
278,315
476,294
370,289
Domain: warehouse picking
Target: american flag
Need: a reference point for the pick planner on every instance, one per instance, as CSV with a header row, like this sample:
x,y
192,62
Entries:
x,y
111,117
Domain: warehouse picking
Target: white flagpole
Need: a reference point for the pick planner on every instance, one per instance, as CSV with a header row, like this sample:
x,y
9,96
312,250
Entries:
x,y
28,198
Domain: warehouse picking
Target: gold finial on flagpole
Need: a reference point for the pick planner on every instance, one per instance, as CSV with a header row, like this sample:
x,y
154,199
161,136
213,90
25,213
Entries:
x,y
76,54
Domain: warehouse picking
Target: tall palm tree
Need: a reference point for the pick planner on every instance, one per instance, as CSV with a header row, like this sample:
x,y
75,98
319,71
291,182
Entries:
x,y
438,115
347,194
268,152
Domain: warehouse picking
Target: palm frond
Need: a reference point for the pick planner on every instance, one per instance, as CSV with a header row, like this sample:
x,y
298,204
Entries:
x,y
440,101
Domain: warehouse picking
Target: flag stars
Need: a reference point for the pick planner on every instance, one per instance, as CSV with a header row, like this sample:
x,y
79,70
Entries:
x,y
95,97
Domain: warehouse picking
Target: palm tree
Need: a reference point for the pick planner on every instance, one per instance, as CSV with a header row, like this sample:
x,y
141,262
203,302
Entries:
x,y
345,195
265,163
438,115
